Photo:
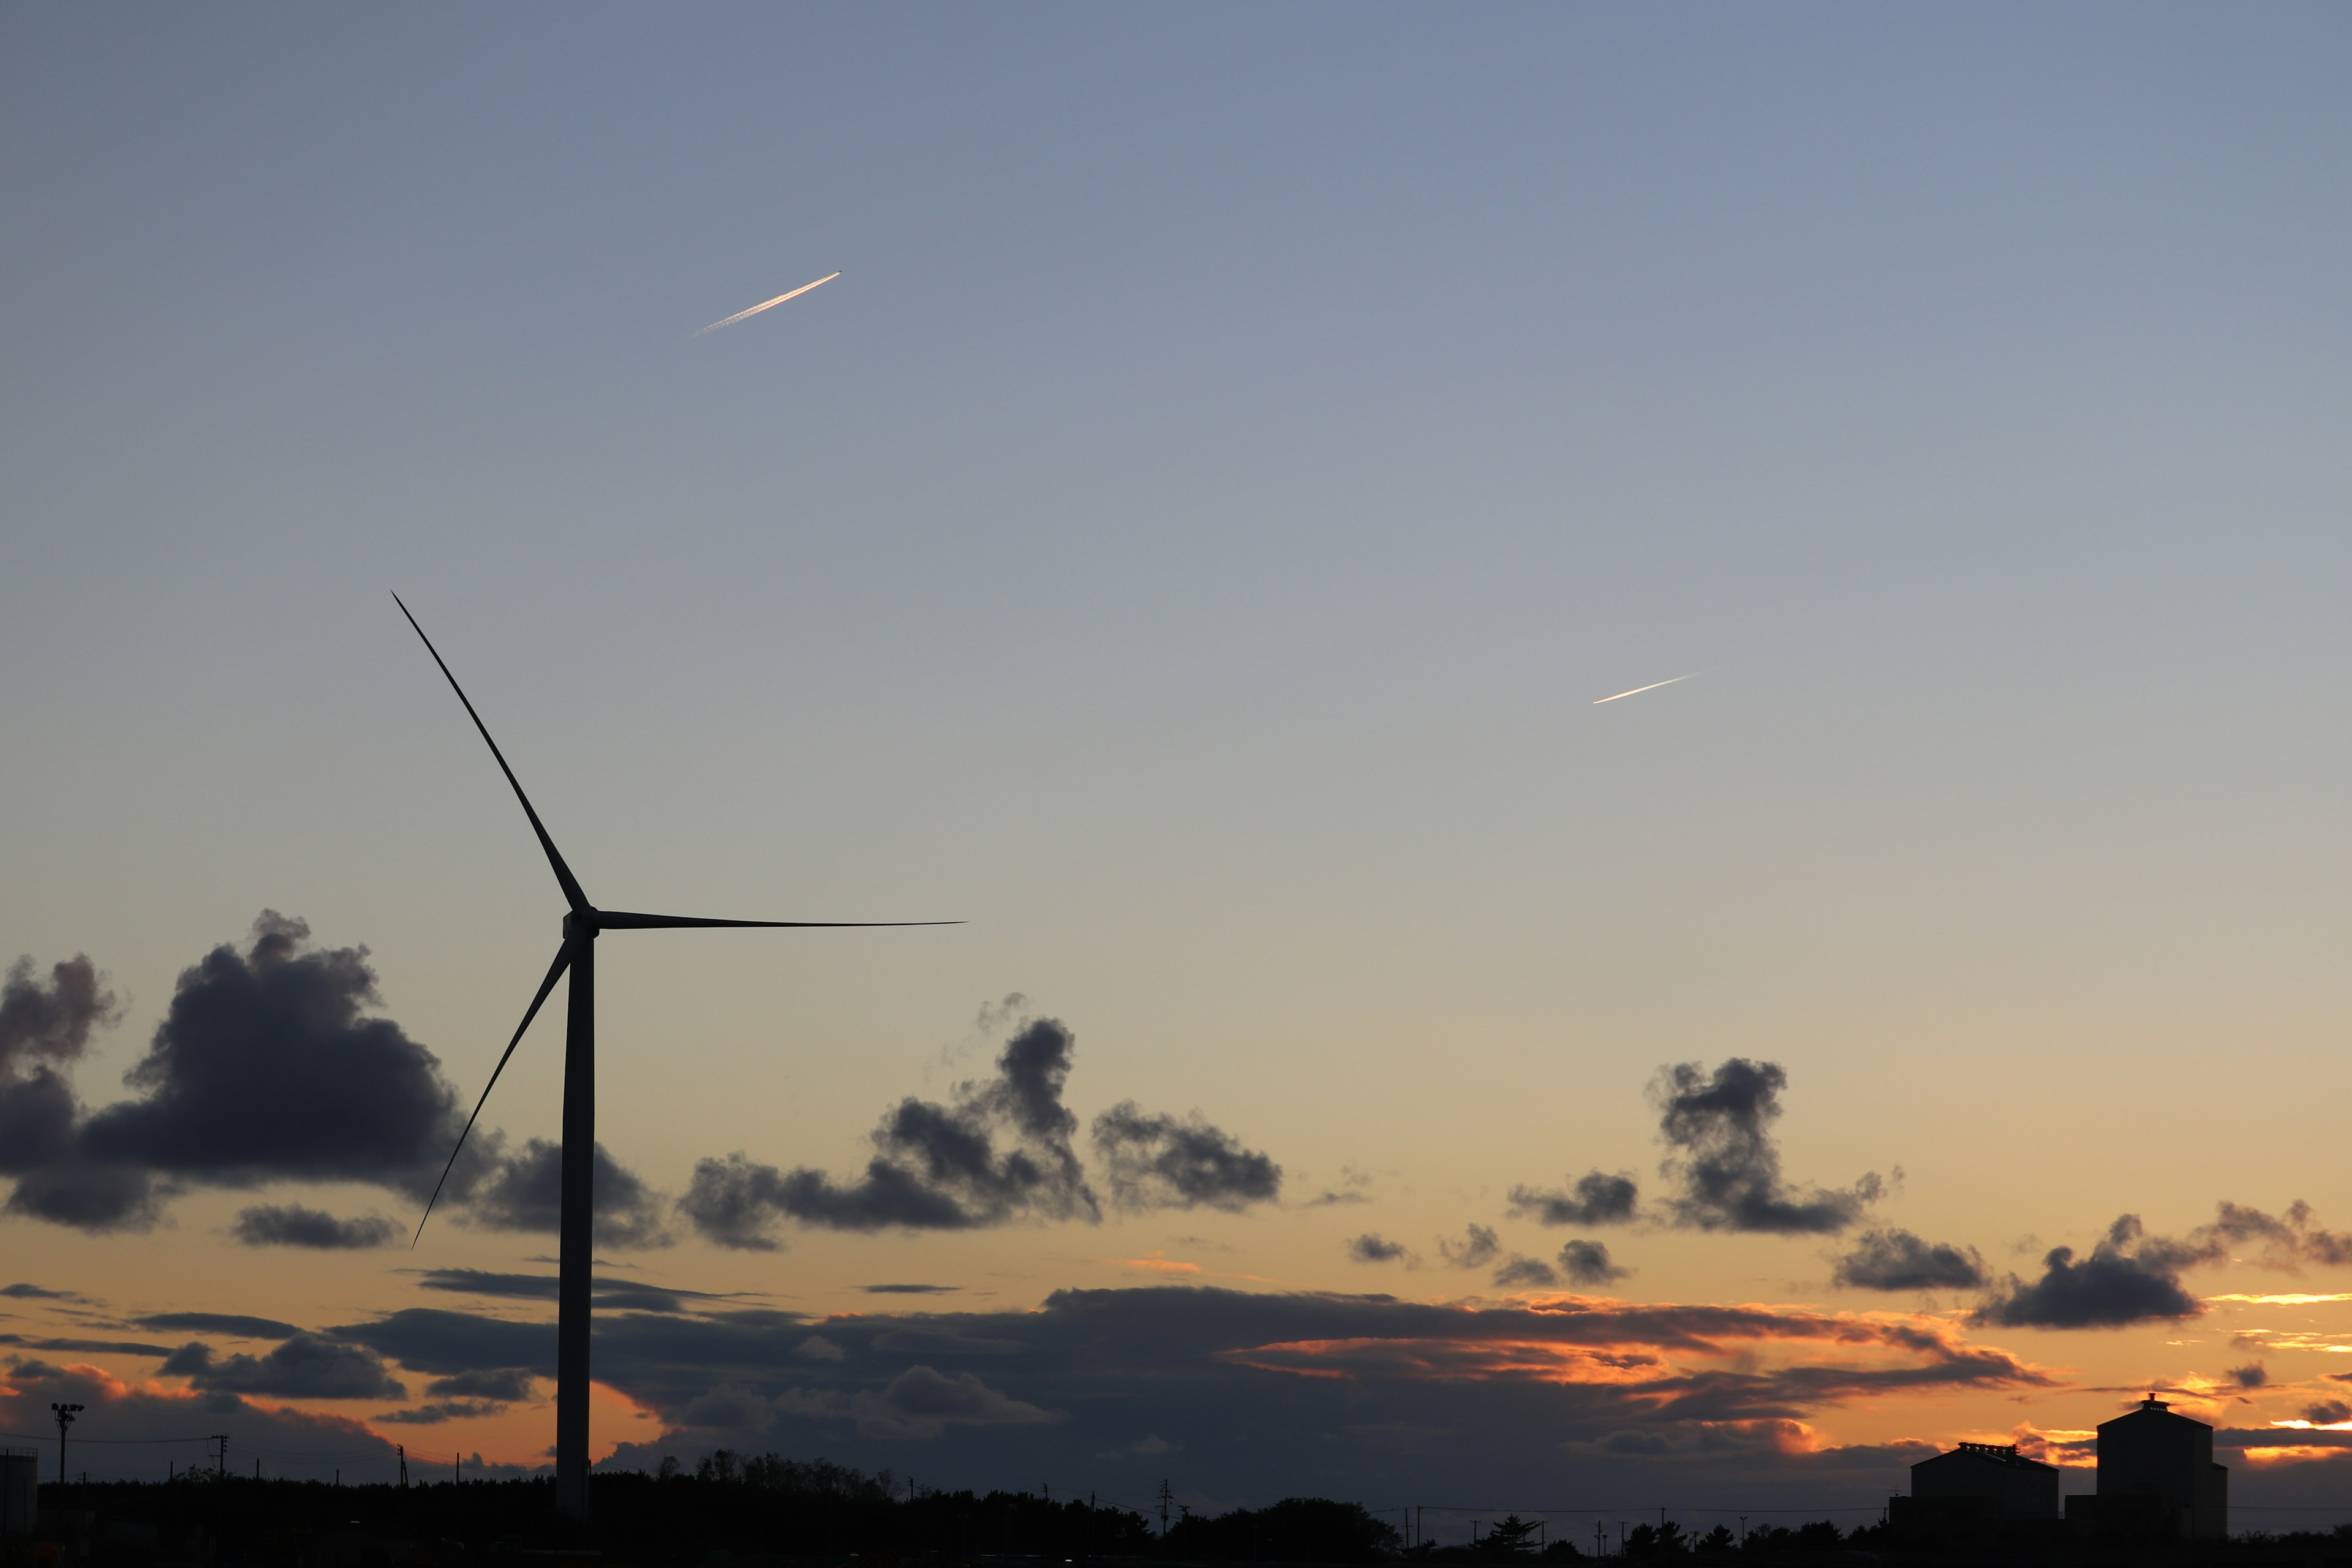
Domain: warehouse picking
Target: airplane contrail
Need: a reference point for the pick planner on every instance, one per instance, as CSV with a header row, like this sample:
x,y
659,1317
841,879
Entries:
x,y
1639,689
771,305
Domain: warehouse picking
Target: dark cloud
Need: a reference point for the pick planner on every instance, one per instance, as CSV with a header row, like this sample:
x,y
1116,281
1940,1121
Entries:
x,y
922,1403
1157,1161
2286,1241
506,1385
1373,1247
525,1192
91,1195
1598,1198
291,1225
444,1343
305,1367
24,1292
265,1069
2127,1279
1898,1260
433,1414
45,1028
1588,1263
1517,1271
998,1151
733,1203
1479,1246
52,1023
1719,1128
619,1294
2253,1374
301,1442
1264,1393
87,1347
231,1323
2327,1412
910,1290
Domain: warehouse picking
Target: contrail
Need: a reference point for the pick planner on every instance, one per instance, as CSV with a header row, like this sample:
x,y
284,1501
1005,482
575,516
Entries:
x,y
742,315
1636,691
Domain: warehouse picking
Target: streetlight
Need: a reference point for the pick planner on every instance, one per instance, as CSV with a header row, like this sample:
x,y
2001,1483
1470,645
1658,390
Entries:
x,y
65,1414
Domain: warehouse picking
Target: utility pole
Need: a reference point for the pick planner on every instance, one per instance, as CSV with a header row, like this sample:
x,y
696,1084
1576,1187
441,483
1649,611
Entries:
x,y
1166,1497
220,1471
401,1449
65,1414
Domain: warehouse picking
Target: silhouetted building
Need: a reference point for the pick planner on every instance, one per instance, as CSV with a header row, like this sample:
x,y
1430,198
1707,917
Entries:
x,y
2023,1487
2157,1476
1976,1490
20,1491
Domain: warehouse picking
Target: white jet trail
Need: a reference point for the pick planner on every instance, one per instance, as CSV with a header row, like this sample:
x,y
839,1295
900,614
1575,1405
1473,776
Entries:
x,y
742,315
1639,689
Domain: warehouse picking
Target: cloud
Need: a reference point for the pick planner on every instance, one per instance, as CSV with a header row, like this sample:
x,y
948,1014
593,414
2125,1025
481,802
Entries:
x,y
921,1403
1596,1199
525,1192
306,1367
2253,1374
2327,1412
1373,1247
734,1201
44,1029
1897,1261
506,1385
998,1151
1479,1246
436,1412
623,1295
1719,1128
1517,1271
291,1225
910,1290
436,1340
265,1069
22,1291
1267,1391
1588,1263
1162,1163
87,1347
2288,1241
301,1443
235,1324
2127,1279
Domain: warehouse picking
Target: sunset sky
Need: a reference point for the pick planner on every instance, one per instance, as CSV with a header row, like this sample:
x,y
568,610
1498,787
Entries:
x,y
1187,542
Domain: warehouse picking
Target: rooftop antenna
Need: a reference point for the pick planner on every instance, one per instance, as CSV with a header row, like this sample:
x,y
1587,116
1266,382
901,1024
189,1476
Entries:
x,y
582,922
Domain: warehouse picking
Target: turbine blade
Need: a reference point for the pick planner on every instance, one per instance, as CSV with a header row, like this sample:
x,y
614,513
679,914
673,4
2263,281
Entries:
x,y
616,920
563,877
554,972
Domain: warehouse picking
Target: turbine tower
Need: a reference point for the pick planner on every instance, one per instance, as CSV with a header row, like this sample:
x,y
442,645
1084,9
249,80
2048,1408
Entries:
x,y
582,922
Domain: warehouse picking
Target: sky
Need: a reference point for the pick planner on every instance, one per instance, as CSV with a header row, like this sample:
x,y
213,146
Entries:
x,y
1187,543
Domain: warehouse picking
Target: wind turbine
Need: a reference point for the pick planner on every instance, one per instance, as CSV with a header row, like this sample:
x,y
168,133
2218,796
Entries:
x,y
576,1227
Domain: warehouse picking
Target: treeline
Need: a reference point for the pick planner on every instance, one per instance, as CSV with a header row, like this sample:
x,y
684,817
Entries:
x,y
767,1507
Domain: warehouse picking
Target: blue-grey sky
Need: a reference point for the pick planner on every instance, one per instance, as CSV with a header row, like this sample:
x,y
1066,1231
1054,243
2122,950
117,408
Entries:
x,y
1187,542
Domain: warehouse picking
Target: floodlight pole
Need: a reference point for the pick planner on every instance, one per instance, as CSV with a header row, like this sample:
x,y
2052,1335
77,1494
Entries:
x,y
65,1414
